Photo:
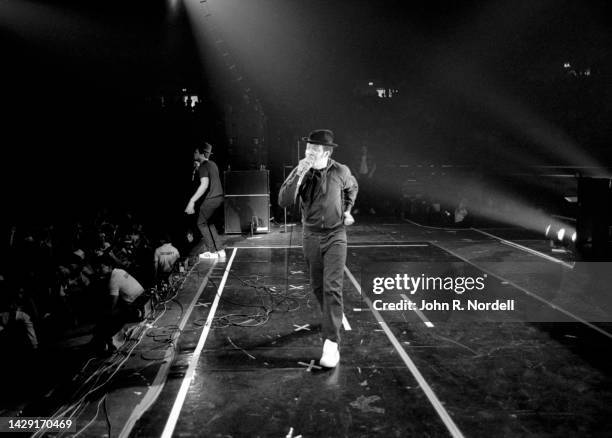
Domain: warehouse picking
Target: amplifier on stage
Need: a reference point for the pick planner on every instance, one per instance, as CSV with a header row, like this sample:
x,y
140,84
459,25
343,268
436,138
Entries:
x,y
247,201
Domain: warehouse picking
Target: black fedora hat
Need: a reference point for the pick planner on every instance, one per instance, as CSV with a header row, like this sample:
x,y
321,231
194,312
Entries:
x,y
205,148
324,137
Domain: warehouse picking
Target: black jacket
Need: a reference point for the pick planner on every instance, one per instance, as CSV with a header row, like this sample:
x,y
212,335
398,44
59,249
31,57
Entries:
x,y
324,195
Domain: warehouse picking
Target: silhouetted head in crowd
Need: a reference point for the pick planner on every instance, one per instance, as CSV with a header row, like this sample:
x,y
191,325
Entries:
x,y
104,264
108,229
28,236
76,260
164,238
63,273
189,236
134,236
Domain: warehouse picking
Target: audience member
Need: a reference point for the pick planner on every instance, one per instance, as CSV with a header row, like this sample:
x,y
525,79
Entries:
x,y
124,303
53,285
165,257
16,326
365,170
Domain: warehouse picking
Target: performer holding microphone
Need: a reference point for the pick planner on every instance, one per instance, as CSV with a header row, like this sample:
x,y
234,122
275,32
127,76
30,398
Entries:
x,y
327,192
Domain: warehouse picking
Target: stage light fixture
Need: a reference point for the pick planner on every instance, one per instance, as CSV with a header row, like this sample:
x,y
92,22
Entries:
x,y
547,230
561,234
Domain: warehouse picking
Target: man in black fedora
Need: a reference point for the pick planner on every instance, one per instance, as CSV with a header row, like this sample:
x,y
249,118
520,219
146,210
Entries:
x,y
326,191
208,196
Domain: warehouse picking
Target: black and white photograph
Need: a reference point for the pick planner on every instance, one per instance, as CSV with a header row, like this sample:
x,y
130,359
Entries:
x,y
306,218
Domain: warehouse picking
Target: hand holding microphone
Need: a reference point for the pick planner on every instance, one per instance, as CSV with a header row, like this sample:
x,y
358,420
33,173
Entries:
x,y
304,166
196,167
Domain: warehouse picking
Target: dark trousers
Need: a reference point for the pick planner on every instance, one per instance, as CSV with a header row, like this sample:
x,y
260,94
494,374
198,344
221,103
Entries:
x,y
325,254
208,229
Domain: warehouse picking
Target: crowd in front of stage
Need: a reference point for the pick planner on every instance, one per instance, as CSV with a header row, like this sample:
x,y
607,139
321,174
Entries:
x,y
53,281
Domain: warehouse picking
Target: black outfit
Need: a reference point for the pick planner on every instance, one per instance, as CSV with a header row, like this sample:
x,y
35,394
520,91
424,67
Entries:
x,y
324,195
213,199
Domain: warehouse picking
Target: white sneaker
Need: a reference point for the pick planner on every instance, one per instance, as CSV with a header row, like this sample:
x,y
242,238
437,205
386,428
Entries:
x,y
331,354
209,255
221,254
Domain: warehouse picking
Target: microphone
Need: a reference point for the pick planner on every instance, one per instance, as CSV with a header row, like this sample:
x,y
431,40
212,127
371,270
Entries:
x,y
309,162
196,166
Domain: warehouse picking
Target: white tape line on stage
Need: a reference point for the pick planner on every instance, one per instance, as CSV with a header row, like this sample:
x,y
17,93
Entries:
x,y
345,323
433,228
524,248
429,393
395,245
180,398
504,241
162,374
392,245
427,322
529,293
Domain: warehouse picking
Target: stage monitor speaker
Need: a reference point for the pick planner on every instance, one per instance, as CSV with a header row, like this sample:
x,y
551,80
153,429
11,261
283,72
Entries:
x,y
246,182
247,201
247,213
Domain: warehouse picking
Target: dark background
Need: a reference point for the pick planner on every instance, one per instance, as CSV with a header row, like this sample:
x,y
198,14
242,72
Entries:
x,y
479,83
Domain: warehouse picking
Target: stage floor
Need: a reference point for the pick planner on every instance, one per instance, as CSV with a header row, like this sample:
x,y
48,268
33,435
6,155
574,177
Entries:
x,y
236,353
